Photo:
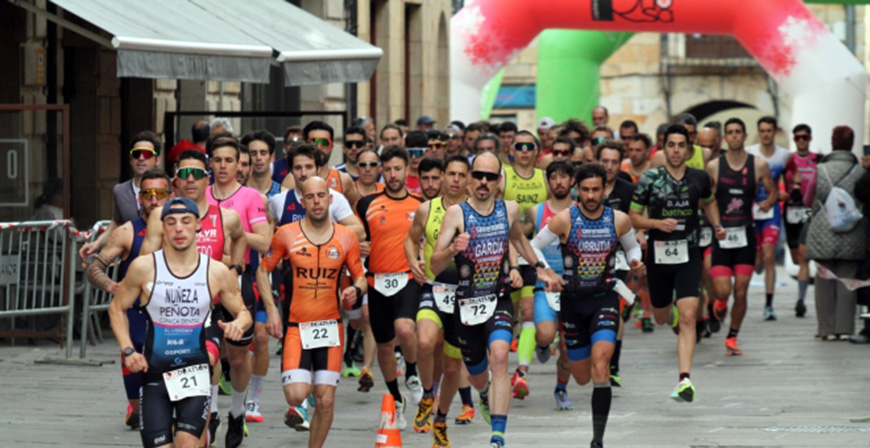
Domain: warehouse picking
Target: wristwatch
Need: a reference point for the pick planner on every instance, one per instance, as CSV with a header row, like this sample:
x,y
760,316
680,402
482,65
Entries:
x,y
540,264
129,351
237,268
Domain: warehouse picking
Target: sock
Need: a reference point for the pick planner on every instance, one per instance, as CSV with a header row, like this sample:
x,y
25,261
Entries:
x,y
732,333
601,397
802,289
393,387
614,360
410,369
684,375
484,394
560,386
225,368
350,334
768,299
439,417
526,345
521,373
499,423
427,393
435,385
256,388
214,399
465,395
237,408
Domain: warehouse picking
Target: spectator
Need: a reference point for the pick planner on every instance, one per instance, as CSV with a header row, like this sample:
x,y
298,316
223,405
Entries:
x,y
220,125
838,252
862,194
199,133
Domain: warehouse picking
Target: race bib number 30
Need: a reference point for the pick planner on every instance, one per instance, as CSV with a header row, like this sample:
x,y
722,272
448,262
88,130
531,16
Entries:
x,y
390,284
186,382
477,310
319,334
672,252
445,297
735,238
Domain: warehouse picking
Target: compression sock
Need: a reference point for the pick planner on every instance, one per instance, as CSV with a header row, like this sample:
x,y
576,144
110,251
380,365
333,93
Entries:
x,y
465,396
526,345
410,369
439,417
237,407
427,393
349,346
614,360
560,386
484,394
214,399
802,289
768,300
601,397
499,423
732,333
684,375
256,387
393,387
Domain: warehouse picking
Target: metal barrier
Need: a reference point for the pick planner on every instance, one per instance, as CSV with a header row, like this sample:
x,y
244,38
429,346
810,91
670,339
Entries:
x,y
95,300
37,276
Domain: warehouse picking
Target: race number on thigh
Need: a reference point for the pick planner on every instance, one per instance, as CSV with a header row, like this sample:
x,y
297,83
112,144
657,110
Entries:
x,y
477,310
797,215
390,284
554,300
186,382
672,252
706,237
445,297
319,334
735,238
760,215
621,262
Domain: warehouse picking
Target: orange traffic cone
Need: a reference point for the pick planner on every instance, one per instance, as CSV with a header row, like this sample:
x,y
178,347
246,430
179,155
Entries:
x,y
388,431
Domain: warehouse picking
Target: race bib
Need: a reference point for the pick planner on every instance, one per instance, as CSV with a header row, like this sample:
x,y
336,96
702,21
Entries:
x,y
735,239
672,252
554,300
390,284
706,237
477,310
621,262
186,382
445,297
797,215
761,215
319,334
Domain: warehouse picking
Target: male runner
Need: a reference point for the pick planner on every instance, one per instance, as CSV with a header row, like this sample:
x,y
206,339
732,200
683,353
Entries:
x,y
736,176
563,147
799,174
560,178
244,171
506,133
124,244
320,134
671,195
436,304
261,147
318,251
768,222
394,297
637,153
476,236
369,169
526,185
354,143
176,287
588,234
431,176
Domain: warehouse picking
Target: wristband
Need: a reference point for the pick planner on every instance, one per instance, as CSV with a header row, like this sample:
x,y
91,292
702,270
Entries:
x,y
237,268
359,293
517,268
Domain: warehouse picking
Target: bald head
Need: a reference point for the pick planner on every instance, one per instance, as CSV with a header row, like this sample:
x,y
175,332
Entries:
x,y
314,184
708,138
316,199
600,117
486,161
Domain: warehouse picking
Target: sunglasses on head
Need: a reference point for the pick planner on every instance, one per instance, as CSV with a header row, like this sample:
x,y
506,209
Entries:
x,y
490,177
416,152
599,140
799,137
145,153
150,193
524,146
195,171
354,143
320,141
365,165
562,153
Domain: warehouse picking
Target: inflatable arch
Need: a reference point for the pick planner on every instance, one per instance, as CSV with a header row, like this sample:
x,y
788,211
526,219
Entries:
x,y
827,83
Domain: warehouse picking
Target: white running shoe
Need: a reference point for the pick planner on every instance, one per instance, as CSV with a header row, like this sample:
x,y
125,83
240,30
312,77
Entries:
x,y
400,413
415,386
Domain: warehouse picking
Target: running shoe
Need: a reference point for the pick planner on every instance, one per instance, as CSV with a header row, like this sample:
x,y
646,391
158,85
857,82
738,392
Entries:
x,y
496,444
646,325
731,347
297,418
400,413
423,419
562,401
366,380
484,410
415,387
311,401
543,354
235,430
720,310
252,412
596,445
226,386
519,385
769,314
800,310
213,424
626,310
132,418
466,416
684,392
514,344
349,370
439,435
615,379
305,425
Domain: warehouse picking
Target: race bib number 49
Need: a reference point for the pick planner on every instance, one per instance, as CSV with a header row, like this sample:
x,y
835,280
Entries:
x,y
390,284
319,334
445,297
477,310
186,382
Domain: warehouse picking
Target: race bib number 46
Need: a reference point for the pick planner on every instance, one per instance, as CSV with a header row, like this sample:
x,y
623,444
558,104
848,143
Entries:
x,y
672,252
735,238
319,334
445,297
390,284
186,382
477,310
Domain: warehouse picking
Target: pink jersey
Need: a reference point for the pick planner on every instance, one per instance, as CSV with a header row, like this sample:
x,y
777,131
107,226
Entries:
x,y
248,203
807,167
210,238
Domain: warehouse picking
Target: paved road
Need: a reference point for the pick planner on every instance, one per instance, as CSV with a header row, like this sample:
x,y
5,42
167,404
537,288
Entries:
x,y
788,390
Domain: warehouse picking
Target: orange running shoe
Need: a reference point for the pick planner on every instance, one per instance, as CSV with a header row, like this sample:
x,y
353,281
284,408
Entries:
x,y
731,347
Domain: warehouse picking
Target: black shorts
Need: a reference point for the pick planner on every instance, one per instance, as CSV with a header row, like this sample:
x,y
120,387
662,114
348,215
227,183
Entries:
x,y
587,319
249,296
665,279
529,274
428,309
731,258
383,310
474,340
156,414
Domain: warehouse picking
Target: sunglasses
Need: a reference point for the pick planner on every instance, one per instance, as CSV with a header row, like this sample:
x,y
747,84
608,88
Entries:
x,y
320,141
145,153
416,152
803,137
564,153
195,171
453,136
150,193
577,163
490,177
437,145
524,146
367,165
354,143
599,140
